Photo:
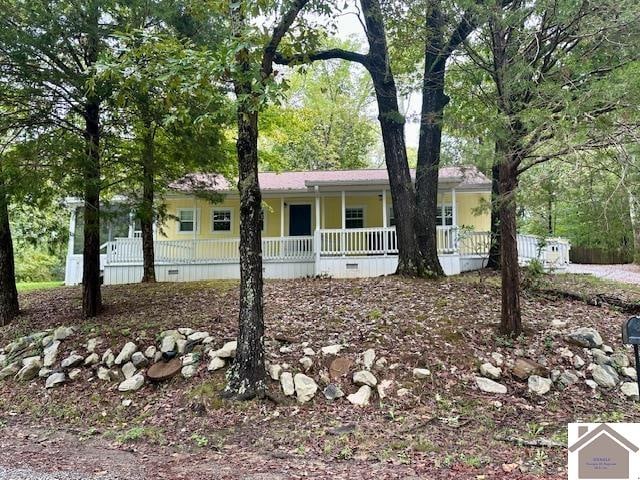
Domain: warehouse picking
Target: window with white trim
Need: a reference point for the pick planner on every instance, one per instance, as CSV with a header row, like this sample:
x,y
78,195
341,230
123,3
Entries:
x,y
444,215
187,220
391,218
354,217
221,220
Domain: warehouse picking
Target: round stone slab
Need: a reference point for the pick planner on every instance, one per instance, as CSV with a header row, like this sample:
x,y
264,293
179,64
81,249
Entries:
x,y
164,370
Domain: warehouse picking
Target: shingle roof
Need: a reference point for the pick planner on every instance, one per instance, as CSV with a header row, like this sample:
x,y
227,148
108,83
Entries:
x,y
464,176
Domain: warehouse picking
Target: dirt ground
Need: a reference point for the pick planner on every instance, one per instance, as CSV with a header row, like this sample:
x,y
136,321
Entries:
x,y
443,428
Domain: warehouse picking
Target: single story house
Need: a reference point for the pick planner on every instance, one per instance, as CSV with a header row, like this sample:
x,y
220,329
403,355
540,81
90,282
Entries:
x,y
335,223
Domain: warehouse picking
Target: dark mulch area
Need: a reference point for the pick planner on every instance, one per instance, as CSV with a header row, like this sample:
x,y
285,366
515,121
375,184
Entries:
x,y
445,427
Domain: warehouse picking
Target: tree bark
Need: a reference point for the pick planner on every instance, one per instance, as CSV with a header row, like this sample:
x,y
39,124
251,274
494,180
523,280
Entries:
x,y
147,208
9,306
510,322
410,259
494,249
634,216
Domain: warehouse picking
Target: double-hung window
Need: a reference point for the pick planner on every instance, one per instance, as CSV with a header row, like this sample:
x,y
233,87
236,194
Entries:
x,y
354,217
444,215
187,220
221,220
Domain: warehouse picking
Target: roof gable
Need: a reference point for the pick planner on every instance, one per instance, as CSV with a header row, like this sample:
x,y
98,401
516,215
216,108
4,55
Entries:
x,y
602,430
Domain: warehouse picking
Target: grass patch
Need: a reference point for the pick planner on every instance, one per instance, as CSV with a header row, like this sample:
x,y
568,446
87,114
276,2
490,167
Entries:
x,y
25,287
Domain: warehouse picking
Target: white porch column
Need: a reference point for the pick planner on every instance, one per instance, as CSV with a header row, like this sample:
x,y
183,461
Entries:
x,y
454,219
344,207
317,189
384,221
317,240
282,216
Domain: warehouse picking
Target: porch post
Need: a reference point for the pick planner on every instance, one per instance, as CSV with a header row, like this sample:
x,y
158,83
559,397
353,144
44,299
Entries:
x,y
317,239
384,221
344,225
317,189
282,216
454,219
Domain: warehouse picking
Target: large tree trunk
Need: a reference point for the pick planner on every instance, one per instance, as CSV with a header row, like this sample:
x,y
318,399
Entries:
x,y
147,208
634,215
410,260
9,306
510,322
494,249
433,102
91,295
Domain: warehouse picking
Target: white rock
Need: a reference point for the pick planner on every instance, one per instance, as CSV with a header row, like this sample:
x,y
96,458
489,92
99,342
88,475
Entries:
x,y
364,377
189,359
103,374
186,331
93,343
181,345
489,386
126,352
92,359
61,333
51,353
208,340
75,373
361,397
607,348
539,385
306,363
129,370
108,358
286,381
54,380
309,352
383,386
381,362
578,362
198,336
132,384
630,390
331,349
150,352
489,371
189,371
498,359
274,371
620,360
168,344
72,360
306,387
421,373
401,392
585,337
30,368
368,357
127,402
44,372
216,363
591,384
228,350
629,372
605,377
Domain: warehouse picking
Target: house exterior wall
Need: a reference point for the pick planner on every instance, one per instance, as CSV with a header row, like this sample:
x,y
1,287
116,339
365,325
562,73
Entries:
x,y
330,212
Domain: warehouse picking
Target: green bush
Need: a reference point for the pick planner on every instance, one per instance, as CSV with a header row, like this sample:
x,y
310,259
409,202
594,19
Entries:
x,y
533,275
34,265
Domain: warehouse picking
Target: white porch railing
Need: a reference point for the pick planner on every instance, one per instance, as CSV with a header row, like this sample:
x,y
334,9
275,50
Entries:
x,y
129,250
358,241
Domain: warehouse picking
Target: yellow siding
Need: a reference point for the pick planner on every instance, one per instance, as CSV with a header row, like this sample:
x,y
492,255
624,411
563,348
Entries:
x,y
330,216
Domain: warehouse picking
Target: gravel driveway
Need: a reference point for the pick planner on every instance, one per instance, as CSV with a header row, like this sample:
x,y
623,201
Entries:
x,y
28,474
628,273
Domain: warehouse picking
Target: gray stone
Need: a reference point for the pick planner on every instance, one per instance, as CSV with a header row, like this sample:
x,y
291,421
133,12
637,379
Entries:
x,y
364,377
186,331
603,377
332,392
498,359
306,363
189,370
173,333
61,333
93,343
44,372
46,341
567,379
132,384
129,370
181,345
150,352
168,344
139,360
578,362
382,388
10,370
216,363
126,352
228,350
489,386
55,379
600,357
630,390
198,336
620,360
607,349
585,337
75,373
72,361
590,383
309,352
51,353
108,358
331,349
629,372
30,368
286,381
103,374
306,387
555,375
92,359
190,359
421,373
489,371
274,370
368,357
538,385
361,397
